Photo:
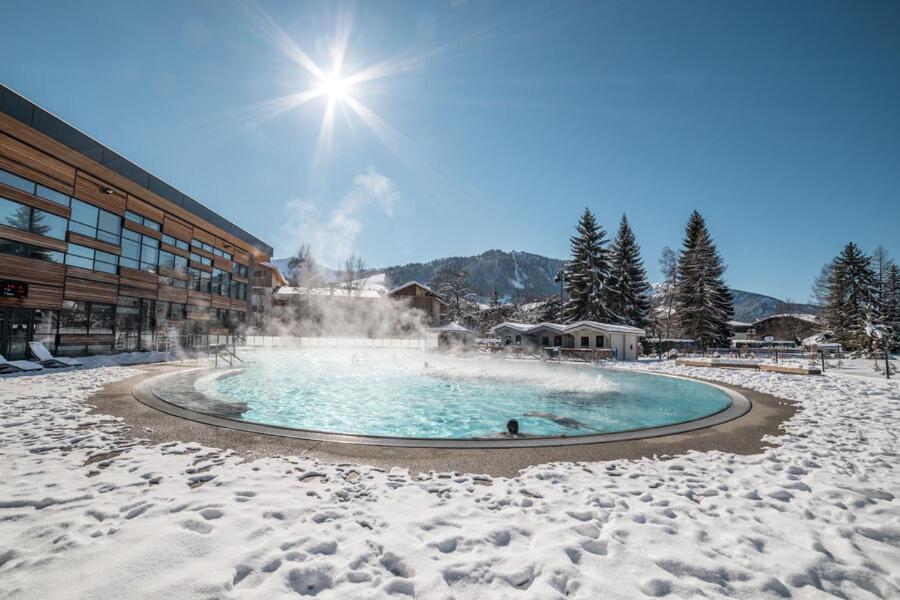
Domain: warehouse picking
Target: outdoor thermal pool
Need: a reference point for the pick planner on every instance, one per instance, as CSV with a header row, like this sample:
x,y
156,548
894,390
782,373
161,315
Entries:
x,y
401,394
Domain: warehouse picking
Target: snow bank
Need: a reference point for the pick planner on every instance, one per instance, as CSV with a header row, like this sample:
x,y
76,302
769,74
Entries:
x,y
88,512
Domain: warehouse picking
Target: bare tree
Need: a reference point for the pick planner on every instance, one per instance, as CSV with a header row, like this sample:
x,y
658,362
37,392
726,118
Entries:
x,y
665,314
352,273
302,270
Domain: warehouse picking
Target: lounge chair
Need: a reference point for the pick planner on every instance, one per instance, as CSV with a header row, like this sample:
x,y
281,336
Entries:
x,y
17,366
48,360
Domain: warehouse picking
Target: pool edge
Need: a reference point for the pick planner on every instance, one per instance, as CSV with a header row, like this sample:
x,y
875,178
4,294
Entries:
x,y
740,405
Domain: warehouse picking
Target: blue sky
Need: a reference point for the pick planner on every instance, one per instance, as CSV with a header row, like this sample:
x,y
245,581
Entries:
x,y
493,124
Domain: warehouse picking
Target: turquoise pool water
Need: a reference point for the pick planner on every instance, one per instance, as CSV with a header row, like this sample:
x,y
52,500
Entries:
x,y
385,393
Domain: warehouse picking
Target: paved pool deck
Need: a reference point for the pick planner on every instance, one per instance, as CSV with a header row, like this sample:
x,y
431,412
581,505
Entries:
x,y
741,436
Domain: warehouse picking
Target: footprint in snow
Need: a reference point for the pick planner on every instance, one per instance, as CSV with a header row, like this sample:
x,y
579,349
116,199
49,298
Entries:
x,y
196,526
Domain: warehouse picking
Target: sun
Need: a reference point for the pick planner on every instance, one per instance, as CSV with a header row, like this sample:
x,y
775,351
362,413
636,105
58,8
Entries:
x,y
334,87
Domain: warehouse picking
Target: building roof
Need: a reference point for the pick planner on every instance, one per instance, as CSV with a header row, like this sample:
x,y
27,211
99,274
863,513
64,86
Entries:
x,y
23,110
801,316
740,324
608,327
522,327
604,327
547,325
421,285
336,291
279,278
451,327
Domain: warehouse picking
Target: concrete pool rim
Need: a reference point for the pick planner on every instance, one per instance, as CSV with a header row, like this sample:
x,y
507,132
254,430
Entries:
x,y
143,393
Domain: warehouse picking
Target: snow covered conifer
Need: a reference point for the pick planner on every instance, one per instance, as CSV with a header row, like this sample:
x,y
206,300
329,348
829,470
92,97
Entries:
x,y
891,302
704,302
586,273
627,290
852,292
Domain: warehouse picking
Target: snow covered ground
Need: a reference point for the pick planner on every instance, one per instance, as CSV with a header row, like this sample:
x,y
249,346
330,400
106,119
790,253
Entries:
x,y
88,512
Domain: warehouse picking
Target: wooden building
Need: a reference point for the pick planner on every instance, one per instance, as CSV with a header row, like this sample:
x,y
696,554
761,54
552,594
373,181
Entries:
x,y
97,255
417,295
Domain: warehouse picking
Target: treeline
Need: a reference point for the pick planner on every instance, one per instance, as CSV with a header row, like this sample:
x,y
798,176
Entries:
x,y
860,299
610,284
606,281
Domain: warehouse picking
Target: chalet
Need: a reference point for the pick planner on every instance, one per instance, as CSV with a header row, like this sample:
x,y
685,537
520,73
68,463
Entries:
x,y
413,293
620,340
790,327
422,297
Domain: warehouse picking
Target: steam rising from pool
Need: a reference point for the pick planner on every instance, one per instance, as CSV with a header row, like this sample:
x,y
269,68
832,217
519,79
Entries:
x,y
395,393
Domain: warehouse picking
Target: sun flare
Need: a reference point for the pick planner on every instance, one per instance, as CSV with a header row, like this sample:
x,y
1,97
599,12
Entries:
x,y
334,87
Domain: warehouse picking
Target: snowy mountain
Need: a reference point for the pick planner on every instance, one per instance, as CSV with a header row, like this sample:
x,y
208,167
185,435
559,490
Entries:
x,y
517,276
525,277
750,306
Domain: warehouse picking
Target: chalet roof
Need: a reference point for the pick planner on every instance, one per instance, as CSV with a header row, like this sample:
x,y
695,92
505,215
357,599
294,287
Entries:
x,y
279,278
421,285
801,316
604,327
451,327
336,291
523,327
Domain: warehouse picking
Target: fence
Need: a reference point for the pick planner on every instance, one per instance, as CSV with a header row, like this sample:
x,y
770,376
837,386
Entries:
x,y
276,341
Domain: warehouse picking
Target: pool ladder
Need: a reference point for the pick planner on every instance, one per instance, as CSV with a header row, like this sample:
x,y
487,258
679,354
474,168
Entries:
x,y
228,356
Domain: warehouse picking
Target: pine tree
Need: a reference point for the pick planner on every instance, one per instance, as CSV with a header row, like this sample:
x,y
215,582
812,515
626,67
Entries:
x,y
627,290
891,303
881,263
854,286
704,302
586,273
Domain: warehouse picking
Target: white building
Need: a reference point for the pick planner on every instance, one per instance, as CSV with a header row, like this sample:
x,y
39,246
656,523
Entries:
x,y
622,340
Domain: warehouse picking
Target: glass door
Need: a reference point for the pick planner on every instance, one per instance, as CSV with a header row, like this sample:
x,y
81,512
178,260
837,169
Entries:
x,y
4,335
18,322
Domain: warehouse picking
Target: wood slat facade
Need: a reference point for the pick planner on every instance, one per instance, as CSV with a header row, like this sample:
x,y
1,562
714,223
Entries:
x,y
34,155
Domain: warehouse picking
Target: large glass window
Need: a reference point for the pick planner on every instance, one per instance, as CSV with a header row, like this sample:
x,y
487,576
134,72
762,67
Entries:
x,y
73,319
199,244
201,259
139,251
52,195
45,325
131,249
23,217
95,222
48,224
239,270
149,223
95,260
36,189
128,319
102,318
30,251
166,260
179,283
149,254
15,181
168,239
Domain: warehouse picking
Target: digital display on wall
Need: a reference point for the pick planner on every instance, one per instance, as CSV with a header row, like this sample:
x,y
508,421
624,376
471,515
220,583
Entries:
x,y
13,289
